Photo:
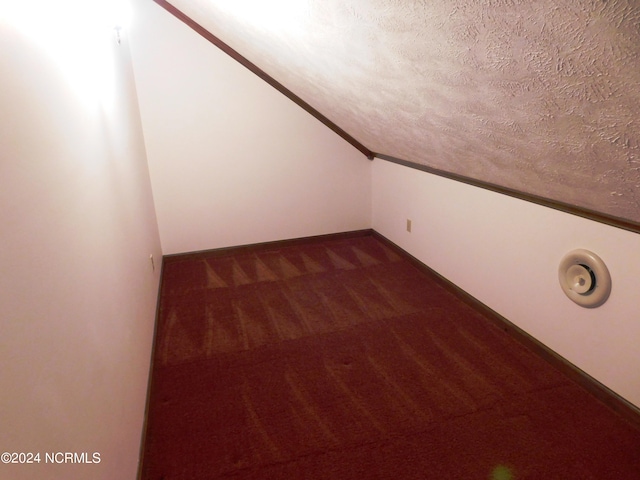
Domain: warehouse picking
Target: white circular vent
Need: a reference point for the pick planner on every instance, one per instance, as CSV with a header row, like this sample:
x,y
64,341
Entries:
x,y
584,278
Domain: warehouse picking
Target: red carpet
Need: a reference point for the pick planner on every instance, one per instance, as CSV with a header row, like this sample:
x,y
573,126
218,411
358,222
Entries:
x,y
338,359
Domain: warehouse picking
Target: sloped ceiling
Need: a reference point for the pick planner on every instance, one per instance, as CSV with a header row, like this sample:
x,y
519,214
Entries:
x,y
537,97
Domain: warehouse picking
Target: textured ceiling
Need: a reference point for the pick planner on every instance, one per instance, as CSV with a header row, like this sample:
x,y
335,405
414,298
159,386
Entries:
x,y
540,97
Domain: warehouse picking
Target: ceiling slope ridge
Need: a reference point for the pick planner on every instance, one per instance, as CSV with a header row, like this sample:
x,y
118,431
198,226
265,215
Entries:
x,y
206,34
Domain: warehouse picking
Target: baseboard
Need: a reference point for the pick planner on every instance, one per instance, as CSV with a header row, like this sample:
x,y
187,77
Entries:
x,y
255,247
145,420
612,400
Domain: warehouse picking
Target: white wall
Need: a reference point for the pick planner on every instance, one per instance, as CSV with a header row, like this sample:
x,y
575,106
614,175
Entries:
x,y
506,252
77,292
232,160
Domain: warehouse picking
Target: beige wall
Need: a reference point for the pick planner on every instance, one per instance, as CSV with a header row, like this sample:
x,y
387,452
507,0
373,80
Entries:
x,y
77,291
506,253
232,160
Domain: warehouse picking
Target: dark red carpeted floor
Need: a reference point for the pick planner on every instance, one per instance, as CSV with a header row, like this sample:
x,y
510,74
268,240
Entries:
x,y
339,359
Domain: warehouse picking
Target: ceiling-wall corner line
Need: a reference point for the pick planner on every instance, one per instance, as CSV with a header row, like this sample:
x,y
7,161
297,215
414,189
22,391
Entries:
x,y
253,68
606,219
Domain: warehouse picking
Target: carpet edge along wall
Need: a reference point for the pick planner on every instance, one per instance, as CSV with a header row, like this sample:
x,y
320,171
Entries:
x,y
338,358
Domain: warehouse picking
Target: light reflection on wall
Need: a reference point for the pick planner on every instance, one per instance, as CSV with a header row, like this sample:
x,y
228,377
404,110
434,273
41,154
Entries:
x,y
78,35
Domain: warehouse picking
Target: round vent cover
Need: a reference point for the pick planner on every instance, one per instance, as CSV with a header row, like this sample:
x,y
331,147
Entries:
x,y
584,278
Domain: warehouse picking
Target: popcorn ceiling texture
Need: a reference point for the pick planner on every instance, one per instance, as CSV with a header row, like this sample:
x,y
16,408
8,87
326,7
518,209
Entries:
x,y
542,97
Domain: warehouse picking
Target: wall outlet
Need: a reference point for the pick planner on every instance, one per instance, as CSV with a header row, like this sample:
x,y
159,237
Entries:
x,y
408,225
